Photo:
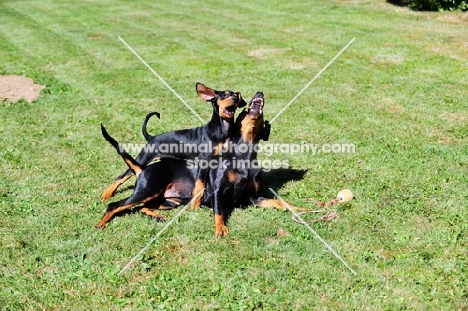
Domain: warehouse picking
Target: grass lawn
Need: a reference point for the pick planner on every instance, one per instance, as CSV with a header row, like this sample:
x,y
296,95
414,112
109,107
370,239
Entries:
x,y
398,93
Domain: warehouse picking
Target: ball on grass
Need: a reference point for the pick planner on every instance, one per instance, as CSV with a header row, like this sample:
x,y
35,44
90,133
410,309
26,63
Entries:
x,y
345,195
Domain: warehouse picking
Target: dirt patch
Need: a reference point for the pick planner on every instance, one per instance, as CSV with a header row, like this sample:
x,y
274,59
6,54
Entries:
x,y
265,52
14,88
453,17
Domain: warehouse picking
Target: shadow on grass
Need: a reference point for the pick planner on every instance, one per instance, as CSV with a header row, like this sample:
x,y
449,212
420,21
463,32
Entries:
x,y
277,178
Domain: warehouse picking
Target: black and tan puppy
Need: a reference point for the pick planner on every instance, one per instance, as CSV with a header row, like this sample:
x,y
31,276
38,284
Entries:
x,y
215,132
237,182
151,184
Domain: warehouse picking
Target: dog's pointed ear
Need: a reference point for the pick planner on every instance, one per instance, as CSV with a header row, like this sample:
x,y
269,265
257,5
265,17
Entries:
x,y
205,93
242,102
265,135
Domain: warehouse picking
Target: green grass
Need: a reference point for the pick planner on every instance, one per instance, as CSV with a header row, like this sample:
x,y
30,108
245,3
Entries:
x,y
398,93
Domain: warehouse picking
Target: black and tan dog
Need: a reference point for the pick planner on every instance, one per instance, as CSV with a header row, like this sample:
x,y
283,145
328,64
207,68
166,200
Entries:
x,y
237,182
215,132
171,182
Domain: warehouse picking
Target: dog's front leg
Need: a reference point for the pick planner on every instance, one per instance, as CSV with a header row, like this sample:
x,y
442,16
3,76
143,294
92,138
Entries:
x,y
219,216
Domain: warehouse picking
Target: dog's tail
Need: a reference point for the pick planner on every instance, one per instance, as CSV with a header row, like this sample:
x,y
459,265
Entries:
x,y
143,127
133,165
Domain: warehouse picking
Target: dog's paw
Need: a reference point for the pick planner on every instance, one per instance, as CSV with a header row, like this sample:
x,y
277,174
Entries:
x,y
195,205
106,196
256,201
158,218
221,230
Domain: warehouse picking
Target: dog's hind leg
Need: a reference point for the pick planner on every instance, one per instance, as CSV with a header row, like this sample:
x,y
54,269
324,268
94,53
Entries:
x,y
139,196
154,215
118,181
170,204
278,204
114,208
150,205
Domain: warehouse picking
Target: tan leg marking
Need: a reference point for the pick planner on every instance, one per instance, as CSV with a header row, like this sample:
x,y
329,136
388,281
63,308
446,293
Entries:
x,y
149,212
108,215
268,203
111,190
196,203
220,227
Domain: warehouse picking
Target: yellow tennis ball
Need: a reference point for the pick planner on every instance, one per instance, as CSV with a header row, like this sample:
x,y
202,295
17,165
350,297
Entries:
x,y
345,195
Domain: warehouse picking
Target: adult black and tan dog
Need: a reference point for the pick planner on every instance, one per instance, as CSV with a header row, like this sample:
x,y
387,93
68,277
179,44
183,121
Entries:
x,y
171,182
237,182
215,132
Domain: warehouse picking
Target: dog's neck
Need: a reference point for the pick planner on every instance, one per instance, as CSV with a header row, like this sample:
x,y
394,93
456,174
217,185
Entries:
x,y
226,127
248,134
249,129
220,128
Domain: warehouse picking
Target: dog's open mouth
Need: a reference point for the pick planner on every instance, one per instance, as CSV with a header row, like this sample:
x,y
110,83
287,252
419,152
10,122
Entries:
x,y
229,111
256,104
